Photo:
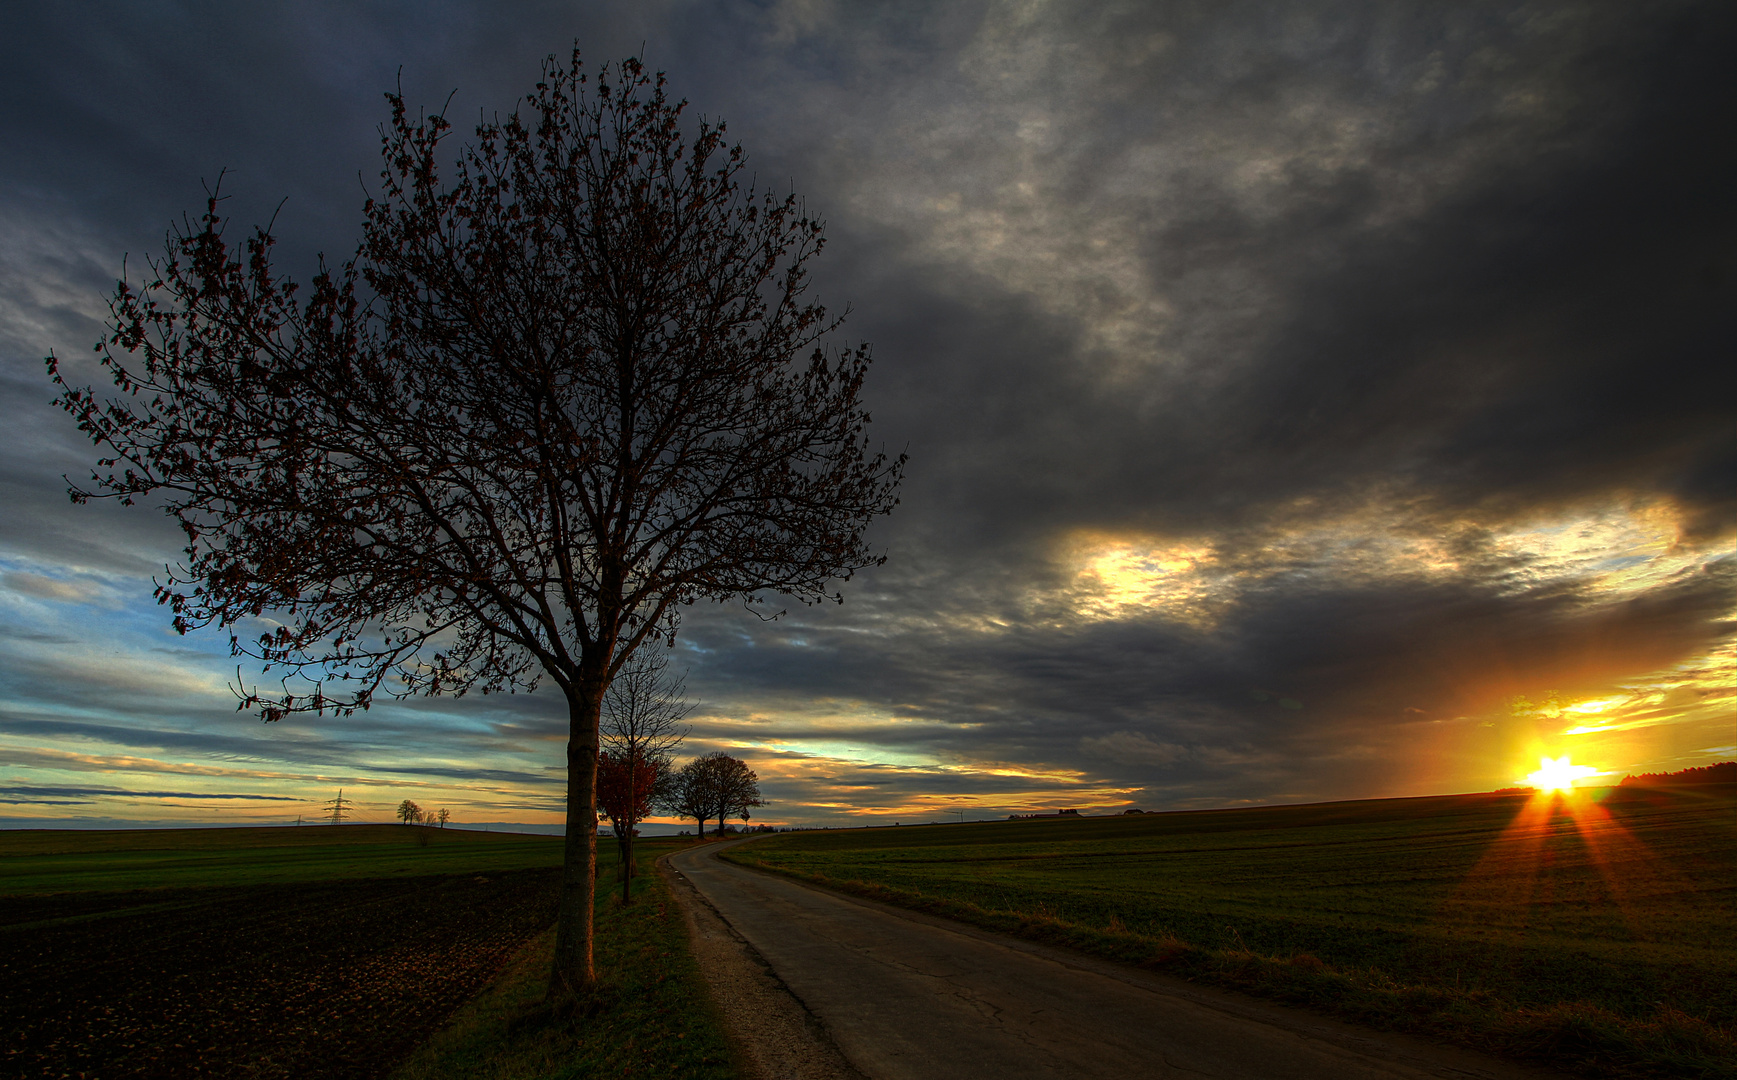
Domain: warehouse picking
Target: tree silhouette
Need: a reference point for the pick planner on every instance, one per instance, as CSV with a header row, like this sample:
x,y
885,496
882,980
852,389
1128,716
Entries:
x,y
717,786
640,729
555,396
409,812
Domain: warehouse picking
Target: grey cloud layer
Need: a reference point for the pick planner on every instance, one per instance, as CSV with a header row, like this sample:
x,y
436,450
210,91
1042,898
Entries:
x,y
50,795
1230,272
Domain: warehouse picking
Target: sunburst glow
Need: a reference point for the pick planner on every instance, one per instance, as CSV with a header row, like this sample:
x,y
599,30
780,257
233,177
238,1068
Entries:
x,y
1557,774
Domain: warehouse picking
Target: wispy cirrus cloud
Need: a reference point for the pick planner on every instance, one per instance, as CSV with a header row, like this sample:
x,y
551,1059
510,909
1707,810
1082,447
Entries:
x,y
19,794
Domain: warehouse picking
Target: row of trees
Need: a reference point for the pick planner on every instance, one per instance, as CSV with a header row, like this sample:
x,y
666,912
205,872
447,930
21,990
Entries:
x,y
713,787
411,814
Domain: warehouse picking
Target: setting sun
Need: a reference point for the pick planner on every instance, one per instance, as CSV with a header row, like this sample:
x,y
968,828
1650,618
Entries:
x,y
1557,774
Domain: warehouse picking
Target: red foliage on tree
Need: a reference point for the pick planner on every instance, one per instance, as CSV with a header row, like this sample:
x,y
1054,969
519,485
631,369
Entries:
x,y
641,727
625,790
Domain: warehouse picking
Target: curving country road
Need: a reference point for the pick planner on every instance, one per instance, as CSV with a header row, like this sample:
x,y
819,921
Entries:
x,y
904,996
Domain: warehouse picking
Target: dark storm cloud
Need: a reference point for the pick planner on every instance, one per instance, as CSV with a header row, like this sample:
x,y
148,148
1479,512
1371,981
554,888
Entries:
x,y
1536,339
117,114
1314,287
1524,334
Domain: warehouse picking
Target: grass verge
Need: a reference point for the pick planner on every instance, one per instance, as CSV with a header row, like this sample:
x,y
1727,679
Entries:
x,y
651,1015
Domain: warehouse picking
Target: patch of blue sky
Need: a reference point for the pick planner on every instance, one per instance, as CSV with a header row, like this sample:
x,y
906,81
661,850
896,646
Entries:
x,y
846,752
1620,562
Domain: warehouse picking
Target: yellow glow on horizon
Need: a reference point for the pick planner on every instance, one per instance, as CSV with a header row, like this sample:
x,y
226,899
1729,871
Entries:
x,y
1558,774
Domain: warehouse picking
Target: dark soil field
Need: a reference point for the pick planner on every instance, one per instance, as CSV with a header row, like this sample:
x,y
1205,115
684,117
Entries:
x,y
309,978
1597,932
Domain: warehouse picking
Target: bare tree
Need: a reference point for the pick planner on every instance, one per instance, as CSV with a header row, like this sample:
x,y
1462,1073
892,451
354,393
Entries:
x,y
409,812
641,727
738,788
558,393
626,790
715,785
689,796
444,816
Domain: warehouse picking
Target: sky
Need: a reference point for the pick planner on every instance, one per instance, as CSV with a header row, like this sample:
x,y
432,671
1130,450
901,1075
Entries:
x,y
1304,401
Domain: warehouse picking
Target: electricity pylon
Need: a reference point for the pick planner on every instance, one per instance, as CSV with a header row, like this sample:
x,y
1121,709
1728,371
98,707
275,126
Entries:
x,y
338,807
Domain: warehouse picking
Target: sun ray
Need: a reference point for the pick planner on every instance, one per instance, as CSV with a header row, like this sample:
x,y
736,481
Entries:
x,y
1499,888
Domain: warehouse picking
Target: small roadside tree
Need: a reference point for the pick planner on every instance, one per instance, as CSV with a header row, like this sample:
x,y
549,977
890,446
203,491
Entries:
x,y
626,792
560,391
640,728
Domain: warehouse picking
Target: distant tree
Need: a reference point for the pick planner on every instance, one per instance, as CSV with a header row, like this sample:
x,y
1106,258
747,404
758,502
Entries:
x,y
641,727
1723,772
409,812
739,790
564,388
444,815
688,796
715,786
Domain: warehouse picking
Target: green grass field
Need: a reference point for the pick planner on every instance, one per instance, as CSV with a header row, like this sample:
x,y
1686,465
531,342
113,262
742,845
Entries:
x,y
1604,939
40,861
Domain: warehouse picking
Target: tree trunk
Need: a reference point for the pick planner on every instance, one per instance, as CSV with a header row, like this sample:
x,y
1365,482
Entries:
x,y
624,852
626,864
628,870
573,974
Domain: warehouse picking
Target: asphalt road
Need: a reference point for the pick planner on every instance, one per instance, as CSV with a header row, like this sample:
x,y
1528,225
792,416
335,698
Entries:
x,y
905,996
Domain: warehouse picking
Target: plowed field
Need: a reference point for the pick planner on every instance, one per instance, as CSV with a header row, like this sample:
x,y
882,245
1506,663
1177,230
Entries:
x,y
312,980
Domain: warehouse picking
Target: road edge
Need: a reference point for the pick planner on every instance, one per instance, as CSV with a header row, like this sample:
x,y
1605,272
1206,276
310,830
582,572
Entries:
x,y
775,1033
